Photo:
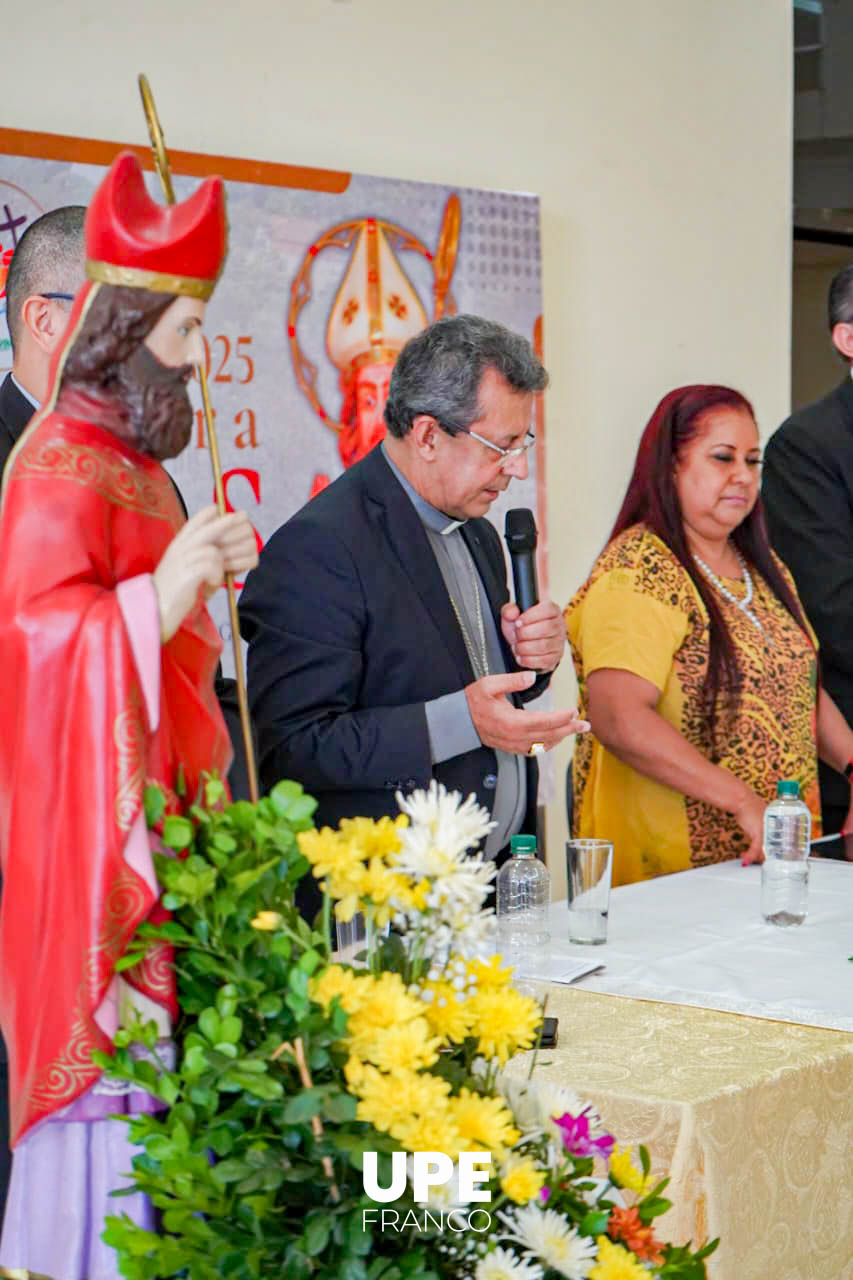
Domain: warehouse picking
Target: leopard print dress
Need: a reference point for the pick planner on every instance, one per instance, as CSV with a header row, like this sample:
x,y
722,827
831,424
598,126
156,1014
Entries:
x,y
639,611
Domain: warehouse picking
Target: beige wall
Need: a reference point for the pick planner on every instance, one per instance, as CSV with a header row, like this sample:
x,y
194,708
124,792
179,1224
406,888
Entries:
x,y
656,132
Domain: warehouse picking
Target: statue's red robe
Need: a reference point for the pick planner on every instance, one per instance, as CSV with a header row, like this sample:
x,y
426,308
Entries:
x,y
82,513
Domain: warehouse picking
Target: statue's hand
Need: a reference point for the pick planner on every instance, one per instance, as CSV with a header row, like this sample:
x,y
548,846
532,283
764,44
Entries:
x,y
198,557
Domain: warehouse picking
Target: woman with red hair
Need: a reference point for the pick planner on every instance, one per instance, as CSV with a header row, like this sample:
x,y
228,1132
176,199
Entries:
x,y
696,664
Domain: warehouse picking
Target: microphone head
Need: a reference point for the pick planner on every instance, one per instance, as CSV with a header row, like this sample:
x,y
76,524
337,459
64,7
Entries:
x,y
520,530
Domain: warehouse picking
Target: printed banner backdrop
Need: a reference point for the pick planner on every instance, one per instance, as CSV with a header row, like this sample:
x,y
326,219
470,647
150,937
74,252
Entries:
x,y
320,291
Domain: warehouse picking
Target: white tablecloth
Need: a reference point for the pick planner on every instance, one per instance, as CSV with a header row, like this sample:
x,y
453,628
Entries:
x,y
698,938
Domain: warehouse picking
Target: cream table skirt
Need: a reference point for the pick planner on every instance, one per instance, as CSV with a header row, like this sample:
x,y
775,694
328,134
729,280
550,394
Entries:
x,y
752,1119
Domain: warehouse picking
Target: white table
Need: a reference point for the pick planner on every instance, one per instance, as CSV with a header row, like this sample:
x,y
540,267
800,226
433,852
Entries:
x,y
751,1116
697,938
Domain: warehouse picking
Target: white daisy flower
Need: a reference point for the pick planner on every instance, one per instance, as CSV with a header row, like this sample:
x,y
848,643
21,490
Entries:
x,y
480,1068
535,1104
435,848
501,1264
546,1235
453,824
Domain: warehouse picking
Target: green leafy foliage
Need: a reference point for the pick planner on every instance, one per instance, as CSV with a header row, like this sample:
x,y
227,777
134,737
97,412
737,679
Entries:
x,y
235,1164
680,1264
256,1161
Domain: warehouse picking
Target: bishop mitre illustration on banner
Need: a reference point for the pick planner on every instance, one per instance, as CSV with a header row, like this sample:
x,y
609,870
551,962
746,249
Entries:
x,y
375,312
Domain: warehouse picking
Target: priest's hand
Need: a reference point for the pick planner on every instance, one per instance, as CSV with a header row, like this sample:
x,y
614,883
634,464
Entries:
x,y
537,637
507,728
198,557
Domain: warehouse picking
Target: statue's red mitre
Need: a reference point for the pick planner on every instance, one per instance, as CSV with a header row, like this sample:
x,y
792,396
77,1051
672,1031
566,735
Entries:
x,y
133,240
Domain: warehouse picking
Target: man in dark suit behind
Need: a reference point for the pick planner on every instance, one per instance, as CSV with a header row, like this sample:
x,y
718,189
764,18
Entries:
x,y
45,273
383,650
807,490
46,270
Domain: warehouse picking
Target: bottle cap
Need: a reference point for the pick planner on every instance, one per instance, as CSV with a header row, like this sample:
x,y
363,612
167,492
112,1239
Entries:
x,y
522,844
789,787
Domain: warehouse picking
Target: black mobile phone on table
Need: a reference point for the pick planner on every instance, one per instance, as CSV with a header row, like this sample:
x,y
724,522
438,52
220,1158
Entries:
x,y
549,1033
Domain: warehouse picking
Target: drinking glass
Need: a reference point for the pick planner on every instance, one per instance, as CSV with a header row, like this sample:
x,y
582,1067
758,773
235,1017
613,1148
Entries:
x,y
589,867
355,937
351,938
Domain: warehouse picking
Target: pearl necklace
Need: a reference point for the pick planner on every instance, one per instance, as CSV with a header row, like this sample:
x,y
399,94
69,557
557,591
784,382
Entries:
x,y
743,604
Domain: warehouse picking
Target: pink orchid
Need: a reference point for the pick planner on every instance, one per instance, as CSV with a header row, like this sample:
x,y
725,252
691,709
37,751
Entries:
x,y
576,1139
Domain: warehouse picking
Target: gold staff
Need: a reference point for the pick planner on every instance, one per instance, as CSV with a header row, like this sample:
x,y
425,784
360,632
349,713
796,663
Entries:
x,y
161,160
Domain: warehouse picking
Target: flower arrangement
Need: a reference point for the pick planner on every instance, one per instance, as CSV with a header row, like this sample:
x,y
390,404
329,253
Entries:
x,y
304,1079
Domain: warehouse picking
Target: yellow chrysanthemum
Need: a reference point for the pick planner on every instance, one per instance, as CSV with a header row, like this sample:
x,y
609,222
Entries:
x,y
339,864
521,1180
616,1263
355,1073
504,1022
345,895
407,1047
336,981
382,1002
432,1131
375,838
484,1123
327,852
267,921
491,974
411,896
379,885
624,1174
385,1103
448,1012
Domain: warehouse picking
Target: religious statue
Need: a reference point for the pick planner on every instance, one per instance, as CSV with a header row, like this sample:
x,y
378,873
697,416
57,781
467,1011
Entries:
x,y
107,659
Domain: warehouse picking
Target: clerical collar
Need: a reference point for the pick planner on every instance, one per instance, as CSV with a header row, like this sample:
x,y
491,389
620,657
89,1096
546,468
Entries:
x,y
438,521
25,393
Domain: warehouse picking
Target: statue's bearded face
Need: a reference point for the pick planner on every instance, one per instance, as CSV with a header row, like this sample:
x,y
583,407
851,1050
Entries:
x,y
159,409
156,377
134,356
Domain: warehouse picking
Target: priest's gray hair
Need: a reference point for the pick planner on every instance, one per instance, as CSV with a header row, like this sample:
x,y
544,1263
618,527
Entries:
x,y
48,258
439,372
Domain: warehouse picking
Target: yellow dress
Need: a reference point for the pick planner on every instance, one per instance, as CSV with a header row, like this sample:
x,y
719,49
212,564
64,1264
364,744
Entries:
x,y
639,611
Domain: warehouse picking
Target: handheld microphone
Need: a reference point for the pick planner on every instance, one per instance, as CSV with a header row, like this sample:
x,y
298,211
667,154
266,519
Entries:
x,y
520,534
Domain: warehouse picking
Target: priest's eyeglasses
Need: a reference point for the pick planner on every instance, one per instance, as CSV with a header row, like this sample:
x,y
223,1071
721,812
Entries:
x,y
59,297
529,442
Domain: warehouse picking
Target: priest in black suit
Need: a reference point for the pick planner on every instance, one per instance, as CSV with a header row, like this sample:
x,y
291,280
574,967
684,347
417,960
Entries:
x,y
807,491
383,649
45,272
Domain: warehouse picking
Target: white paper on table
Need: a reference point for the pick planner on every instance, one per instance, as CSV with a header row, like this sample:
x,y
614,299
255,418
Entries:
x,y
558,969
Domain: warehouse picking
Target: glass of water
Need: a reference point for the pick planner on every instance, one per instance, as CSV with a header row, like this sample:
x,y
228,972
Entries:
x,y
356,937
589,867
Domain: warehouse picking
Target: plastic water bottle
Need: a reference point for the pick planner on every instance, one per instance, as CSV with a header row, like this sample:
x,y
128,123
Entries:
x,y
785,871
524,895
